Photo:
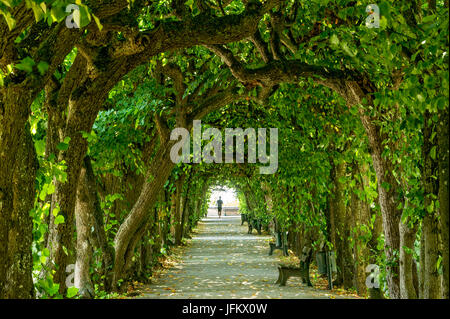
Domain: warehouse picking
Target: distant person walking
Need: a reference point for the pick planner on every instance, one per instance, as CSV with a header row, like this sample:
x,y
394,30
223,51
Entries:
x,y
219,206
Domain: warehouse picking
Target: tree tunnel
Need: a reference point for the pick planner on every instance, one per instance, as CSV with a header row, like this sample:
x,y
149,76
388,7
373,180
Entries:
x,y
329,130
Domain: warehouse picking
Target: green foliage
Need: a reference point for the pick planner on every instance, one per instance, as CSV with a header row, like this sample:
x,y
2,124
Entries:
x,y
405,61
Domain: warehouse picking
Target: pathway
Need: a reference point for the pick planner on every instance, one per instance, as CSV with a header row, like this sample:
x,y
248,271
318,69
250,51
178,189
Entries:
x,y
223,261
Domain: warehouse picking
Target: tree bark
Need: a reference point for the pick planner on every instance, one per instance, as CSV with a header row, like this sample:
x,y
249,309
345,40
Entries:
x,y
344,276
361,216
85,100
430,227
157,175
377,231
422,266
99,235
443,166
185,213
18,167
84,223
17,262
407,238
353,93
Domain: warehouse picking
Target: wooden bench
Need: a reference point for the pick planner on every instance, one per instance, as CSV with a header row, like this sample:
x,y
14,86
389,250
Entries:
x,y
254,223
244,218
326,264
284,272
279,244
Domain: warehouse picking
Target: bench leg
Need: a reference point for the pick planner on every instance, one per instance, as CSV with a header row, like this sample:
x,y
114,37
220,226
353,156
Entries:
x,y
284,278
305,274
271,249
258,227
285,251
308,281
279,277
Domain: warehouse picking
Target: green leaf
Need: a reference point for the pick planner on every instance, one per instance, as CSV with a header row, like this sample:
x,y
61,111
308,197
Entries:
x,y
37,10
71,292
433,152
55,211
430,207
8,3
53,289
59,219
334,40
386,186
42,67
57,13
50,189
40,147
43,192
26,65
62,146
429,18
10,21
85,16
97,21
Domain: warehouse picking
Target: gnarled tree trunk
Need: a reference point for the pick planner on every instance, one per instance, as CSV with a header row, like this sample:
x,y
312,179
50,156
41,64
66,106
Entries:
x,y
18,165
157,175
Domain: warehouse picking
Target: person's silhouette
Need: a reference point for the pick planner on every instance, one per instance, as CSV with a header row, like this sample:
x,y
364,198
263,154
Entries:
x,y
219,206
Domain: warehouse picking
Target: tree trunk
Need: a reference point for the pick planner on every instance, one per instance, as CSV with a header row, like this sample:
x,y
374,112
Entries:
x,y
443,166
354,94
17,188
407,238
348,255
85,100
159,172
185,214
422,265
60,242
17,191
84,223
99,235
431,283
179,210
344,276
377,231
331,211
387,192
361,216
430,227
172,216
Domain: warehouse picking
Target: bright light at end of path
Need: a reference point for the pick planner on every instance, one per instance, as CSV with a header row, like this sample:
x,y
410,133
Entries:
x,y
228,197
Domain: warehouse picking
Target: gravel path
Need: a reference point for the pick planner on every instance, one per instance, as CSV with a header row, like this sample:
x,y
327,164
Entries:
x,y
223,261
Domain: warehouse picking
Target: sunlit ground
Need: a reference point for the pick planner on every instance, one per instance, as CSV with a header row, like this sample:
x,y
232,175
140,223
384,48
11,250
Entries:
x,y
223,261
